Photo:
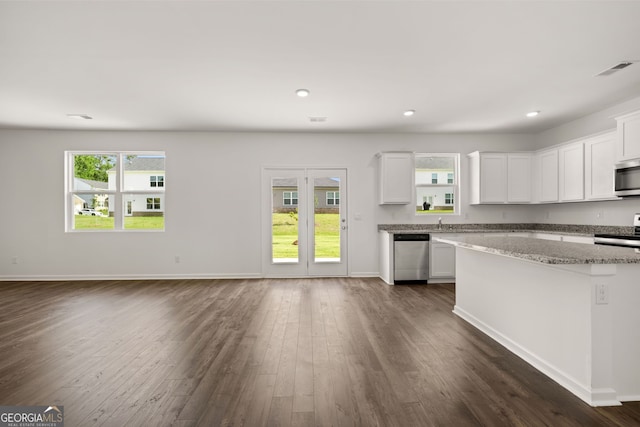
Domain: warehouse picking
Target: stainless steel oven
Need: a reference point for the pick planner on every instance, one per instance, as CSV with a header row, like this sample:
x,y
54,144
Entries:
x,y
628,241
627,178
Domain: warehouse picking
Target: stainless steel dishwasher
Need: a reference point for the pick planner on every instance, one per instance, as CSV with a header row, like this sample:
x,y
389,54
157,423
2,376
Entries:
x,y
410,258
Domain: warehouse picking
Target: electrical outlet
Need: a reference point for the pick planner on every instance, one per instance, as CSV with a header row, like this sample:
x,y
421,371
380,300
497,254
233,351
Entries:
x,y
14,260
177,259
602,293
599,215
504,215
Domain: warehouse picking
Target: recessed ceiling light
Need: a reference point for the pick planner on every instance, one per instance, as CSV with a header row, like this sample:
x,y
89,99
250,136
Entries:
x,y
533,113
79,116
409,113
302,93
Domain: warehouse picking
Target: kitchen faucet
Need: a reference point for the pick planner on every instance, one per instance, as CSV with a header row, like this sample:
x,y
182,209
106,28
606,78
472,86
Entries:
x,y
440,223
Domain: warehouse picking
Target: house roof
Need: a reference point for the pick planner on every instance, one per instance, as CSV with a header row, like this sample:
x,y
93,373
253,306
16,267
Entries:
x,y
98,185
292,182
143,163
434,163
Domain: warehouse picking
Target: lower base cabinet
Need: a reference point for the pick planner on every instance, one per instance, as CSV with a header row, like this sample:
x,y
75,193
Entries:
x,y
442,261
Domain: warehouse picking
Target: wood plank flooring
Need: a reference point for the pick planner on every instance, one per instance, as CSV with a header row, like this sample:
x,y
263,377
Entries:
x,y
295,352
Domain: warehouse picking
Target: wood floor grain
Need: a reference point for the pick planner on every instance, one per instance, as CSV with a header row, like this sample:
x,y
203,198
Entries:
x,y
295,352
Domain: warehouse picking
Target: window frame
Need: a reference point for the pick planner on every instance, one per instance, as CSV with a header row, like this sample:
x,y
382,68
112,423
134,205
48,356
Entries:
x,y
455,185
116,196
290,198
156,181
154,205
333,200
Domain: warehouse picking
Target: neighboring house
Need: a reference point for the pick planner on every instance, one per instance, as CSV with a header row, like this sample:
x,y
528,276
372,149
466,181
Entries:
x,y
440,196
326,195
141,174
95,201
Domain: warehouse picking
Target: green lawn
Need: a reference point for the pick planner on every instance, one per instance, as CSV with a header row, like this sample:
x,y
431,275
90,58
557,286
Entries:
x,y
86,222
285,233
433,211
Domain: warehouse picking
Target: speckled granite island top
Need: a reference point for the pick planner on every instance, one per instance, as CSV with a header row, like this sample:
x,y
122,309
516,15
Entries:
x,y
585,230
545,251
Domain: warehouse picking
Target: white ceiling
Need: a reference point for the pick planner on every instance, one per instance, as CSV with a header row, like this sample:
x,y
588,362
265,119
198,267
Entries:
x,y
464,66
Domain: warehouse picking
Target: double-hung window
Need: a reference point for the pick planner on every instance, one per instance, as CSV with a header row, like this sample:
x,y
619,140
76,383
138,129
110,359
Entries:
x,y
333,198
115,190
437,183
290,198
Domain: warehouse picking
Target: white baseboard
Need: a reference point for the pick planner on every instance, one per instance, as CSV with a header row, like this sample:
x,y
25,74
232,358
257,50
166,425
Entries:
x,y
629,398
72,277
364,274
594,397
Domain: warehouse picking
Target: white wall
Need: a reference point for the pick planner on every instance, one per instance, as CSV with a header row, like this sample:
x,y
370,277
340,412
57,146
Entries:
x,y
618,212
213,196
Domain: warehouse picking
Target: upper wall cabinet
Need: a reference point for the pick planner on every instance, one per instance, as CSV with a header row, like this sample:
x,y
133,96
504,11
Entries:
x,y
628,137
599,159
395,178
571,172
519,168
546,176
500,177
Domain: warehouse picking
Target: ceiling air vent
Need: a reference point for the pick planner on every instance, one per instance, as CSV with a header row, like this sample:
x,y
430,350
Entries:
x,y
317,119
615,68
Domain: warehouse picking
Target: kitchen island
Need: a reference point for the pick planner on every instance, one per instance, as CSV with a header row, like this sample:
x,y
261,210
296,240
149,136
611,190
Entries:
x,y
569,309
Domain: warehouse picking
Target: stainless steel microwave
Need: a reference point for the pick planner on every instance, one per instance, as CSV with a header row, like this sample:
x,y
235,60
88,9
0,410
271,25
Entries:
x,y
627,178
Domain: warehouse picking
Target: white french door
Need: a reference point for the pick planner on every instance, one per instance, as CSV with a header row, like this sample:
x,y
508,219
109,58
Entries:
x,y
304,222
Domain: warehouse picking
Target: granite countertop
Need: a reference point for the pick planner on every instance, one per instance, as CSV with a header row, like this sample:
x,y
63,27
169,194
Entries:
x,y
567,229
545,251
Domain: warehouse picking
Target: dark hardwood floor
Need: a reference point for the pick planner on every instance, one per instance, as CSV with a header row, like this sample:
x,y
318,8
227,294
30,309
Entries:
x,y
327,352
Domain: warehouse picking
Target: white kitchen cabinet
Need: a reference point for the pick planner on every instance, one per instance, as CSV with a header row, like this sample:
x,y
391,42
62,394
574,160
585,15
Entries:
x,y
628,136
500,177
395,178
442,260
546,175
488,172
571,172
599,160
519,177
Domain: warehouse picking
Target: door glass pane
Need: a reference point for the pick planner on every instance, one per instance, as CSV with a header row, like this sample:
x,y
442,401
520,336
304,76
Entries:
x,y
326,229
284,220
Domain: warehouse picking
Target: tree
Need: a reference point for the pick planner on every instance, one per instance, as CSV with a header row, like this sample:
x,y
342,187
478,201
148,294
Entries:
x,y
92,166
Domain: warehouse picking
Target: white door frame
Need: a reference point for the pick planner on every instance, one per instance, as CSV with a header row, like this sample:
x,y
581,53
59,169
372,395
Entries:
x,y
305,265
